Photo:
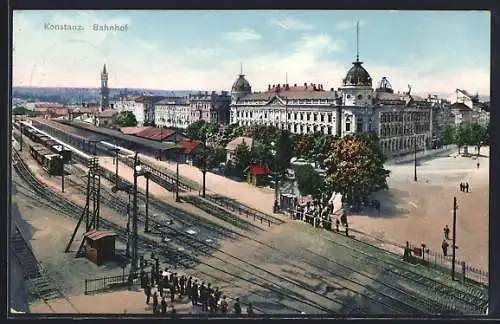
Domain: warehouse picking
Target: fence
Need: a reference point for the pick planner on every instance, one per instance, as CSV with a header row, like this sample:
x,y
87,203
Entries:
x,y
105,283
243,211
439,261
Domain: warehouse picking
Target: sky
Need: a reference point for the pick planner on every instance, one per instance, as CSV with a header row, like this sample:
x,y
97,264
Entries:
x,y
434,52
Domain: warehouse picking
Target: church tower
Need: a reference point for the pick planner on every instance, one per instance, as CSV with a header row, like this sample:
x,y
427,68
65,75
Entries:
x,y
104,89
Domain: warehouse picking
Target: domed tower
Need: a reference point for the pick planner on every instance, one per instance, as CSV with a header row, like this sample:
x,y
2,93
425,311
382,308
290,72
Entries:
x,y
357,85
240,88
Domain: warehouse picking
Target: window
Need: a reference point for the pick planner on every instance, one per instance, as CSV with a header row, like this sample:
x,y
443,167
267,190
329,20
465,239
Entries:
x,y
348,96
322,117
308,116
288,116
301,116
295,116
348,125
359,125
315,117
329,118
360,97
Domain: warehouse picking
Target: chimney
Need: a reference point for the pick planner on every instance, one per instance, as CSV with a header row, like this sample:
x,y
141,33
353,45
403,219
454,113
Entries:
x,y
295,85
268,87
331,89
287,86
305,85
314,87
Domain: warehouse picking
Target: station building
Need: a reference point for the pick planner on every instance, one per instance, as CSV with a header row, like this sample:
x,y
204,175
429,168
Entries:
x,y
401,120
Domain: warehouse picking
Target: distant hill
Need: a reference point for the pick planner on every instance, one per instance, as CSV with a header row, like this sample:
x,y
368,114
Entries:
x,y
77,95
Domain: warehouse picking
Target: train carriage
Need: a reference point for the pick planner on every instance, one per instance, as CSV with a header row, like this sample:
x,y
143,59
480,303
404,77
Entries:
x,y
50,162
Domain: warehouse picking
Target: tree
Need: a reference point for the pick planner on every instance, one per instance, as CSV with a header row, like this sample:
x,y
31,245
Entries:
x,y
478,136
308,180
355,168
20,111
449,135
217,156
462,136
284,152
193,129
303,145
242,158
124,119
320,148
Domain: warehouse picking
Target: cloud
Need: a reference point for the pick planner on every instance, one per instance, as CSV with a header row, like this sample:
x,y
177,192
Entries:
x,y
349,24
290,23
75,60
243,35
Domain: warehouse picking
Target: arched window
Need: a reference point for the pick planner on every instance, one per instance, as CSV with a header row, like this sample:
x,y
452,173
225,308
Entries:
x,y
359,125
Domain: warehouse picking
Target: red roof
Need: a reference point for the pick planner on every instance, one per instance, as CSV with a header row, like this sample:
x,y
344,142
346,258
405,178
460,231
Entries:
x,y
95,235
295,88
86,110
107,113
133,130
156,134
259,170
58,111
188,145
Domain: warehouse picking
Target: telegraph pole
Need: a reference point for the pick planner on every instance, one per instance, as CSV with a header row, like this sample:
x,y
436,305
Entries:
x,y
133,266
177,199
62,173
454,247
21,143
415,162
146,225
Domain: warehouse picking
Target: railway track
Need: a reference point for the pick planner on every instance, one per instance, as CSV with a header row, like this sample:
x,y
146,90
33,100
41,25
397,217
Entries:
x,y
408,301
470,298
392,296
34,273
202,247
74,210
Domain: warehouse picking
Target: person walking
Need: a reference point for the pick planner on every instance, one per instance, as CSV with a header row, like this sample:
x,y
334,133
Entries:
x,y
172,292
446,232
477,164
155,302
249,309
223,305
147,292
444,246
467,187
163,306
462,186
337,224
237,306
346,229
194,293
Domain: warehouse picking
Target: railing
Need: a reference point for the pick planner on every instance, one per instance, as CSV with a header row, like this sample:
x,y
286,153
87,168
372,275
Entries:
x,y
245,211
105,283
437,260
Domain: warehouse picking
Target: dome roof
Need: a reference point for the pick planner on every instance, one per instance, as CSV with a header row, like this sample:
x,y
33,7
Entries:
x,y
357,76
241,84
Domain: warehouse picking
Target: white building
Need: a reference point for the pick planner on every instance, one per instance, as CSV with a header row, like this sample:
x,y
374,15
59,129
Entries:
x,y
400,120
173,112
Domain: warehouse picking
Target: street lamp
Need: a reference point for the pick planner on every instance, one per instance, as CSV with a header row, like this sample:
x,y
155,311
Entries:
x,y
275,173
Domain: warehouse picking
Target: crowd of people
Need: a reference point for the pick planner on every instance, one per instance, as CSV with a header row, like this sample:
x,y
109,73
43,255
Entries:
x,y
168,284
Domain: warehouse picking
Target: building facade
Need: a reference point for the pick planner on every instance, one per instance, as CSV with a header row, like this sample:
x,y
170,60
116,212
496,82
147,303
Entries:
x,y
212,108
173,112
402,121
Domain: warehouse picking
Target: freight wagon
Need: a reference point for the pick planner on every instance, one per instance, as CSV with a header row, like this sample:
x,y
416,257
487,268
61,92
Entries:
x,y
48,142
50,162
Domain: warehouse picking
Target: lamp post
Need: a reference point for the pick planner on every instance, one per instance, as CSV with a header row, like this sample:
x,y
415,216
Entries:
x,y
275,173
454,247
415,160
62,171
127,249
